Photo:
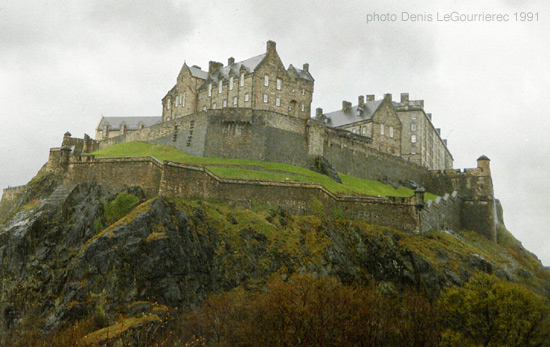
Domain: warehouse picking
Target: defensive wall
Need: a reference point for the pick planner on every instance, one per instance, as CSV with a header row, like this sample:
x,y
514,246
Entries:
x,y
243,133
172,179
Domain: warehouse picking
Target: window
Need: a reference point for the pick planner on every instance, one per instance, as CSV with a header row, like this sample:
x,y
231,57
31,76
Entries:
x,y
141,125
413,115
265,98
279,84
381,129
413,139
210,89
303,92
246,97
225,103
231,83
235,101
354,130
413,127
183,99
266,80
391,131
204,108
124,129
241,83
364,130
168,103
303,108
278,101
214,106
413,150
220,86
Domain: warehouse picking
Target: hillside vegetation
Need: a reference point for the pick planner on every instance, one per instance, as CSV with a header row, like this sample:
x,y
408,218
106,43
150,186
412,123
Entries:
x,y
258,170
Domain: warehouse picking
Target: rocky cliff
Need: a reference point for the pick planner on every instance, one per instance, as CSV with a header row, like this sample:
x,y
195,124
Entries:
x,y
69,252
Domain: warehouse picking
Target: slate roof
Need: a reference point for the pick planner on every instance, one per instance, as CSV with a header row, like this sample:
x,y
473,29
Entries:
x,y
339,118
303,74
197,72
249,65
132,123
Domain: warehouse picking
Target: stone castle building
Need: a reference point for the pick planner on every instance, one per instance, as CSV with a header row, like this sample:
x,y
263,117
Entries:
x,y
262,83
259,110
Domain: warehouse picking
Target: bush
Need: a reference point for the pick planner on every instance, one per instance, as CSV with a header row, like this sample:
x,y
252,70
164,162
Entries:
x,y
123,204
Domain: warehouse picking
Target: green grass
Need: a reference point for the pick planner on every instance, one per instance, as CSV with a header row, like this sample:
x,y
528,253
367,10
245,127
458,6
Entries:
x,y
258,170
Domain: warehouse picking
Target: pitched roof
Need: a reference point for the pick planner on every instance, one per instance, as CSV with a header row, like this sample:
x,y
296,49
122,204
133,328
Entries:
x,y
197,72
132,123
249,64
339,118
303,74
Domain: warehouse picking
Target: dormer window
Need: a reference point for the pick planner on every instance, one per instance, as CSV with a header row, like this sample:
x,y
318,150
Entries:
x,y
210,89
123,129
266,80
279,84
220,86
231,83
241,83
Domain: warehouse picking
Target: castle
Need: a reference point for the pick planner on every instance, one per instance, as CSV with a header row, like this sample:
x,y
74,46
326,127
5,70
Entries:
x,y
259,110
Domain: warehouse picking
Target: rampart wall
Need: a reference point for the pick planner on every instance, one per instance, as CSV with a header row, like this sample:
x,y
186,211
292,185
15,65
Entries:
x,y
444,213
243,133
182,180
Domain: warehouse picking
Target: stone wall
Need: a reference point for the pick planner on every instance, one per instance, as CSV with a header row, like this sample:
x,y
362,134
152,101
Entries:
x,y
182,180
442,214
114,173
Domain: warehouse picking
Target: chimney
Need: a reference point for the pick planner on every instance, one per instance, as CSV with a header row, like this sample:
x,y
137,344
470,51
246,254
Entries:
x,y
405,98
361,101
387,96
271,47
213,65
306,67
346,105
318,113
370,97
231,61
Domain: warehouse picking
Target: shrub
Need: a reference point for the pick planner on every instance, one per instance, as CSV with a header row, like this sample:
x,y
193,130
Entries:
x,y
123,204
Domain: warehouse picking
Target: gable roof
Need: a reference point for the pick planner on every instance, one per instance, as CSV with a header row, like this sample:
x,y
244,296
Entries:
x,y
197,71
249,65
303,74
339,118
132,123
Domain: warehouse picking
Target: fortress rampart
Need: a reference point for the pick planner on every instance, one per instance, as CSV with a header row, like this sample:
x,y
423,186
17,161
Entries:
x,y
182,180
472,210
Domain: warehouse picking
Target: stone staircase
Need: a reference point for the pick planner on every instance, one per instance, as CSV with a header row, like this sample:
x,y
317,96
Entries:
x,y
60,194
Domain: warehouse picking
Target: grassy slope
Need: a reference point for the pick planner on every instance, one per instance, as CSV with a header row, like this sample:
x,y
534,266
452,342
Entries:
x,y
240,168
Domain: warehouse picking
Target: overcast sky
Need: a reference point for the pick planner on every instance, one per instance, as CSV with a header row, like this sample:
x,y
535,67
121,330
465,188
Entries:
x,y
63,64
